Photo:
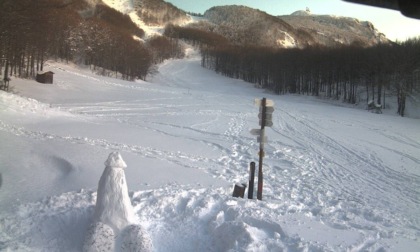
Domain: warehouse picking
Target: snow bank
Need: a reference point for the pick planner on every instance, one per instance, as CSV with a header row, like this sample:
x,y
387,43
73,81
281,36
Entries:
x,y
185,218
13,103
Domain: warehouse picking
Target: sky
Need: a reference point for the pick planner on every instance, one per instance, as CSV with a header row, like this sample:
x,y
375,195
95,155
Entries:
x,y
392,23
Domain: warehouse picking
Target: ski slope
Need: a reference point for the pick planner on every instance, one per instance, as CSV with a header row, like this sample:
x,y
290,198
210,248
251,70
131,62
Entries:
x,y
335,178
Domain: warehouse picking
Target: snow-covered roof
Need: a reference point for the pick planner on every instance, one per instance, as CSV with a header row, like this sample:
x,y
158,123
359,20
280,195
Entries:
x,y
44,72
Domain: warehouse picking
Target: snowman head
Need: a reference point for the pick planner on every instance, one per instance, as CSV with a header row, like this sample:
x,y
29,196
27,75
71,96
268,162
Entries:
x,y
115,161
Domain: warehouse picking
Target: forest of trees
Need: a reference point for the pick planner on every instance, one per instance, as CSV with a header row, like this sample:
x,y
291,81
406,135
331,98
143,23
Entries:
x,y
162,47
195,36
32,32
341,73
195,14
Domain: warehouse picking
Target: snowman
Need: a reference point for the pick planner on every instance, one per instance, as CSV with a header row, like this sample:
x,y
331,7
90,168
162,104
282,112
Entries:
x,y
114,225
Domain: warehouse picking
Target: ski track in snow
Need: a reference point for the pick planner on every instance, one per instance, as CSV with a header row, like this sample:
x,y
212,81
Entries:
x,y
174,157
342,183
336,179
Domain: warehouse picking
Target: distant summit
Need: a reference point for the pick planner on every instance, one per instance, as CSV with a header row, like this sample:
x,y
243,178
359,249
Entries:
x,y
306,12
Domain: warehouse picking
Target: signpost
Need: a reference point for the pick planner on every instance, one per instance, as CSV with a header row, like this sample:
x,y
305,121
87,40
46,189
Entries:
x,y
265,120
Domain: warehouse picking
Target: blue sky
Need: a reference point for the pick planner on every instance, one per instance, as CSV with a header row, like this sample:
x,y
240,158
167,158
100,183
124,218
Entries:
x,y
391,23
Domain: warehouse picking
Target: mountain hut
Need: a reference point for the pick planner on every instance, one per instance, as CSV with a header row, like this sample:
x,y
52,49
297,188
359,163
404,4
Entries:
x,y
45,77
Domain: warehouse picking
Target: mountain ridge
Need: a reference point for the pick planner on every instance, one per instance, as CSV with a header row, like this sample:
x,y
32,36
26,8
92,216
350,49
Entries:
x,y
300,29
242,25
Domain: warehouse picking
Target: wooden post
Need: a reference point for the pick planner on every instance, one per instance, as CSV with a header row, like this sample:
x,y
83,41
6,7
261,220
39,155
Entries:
x,y
261,153
251,180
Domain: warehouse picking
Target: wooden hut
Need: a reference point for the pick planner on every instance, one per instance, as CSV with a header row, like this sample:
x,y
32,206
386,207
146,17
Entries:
x,y
45,77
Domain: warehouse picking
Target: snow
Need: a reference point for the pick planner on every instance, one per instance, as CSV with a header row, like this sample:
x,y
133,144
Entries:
x,y
124,6
335,178
127,7
287,42
149,31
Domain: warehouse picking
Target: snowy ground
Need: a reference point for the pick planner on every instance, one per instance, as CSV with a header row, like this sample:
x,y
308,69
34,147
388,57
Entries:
x,y
336,178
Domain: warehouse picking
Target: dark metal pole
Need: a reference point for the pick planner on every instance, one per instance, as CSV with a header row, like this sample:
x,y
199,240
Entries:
x,y
251,180
261,153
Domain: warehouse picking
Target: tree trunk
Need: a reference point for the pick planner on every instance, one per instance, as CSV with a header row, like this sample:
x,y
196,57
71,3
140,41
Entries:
x,y
383,105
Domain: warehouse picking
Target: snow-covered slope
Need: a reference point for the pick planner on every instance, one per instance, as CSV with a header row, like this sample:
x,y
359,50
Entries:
x,y
158,11
127,7
336,178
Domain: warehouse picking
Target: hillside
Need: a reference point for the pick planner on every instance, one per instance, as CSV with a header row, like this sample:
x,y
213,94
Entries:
x,y
86,32
159,12
246,26
332,30
105,35
149,12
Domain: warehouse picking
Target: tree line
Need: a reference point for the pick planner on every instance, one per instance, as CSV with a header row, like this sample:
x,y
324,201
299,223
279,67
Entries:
x,y
195,36
333,72
32,32
195,14
340,72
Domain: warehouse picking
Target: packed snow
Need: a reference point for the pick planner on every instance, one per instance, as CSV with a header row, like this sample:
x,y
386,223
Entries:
x,y
336,178
128,7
